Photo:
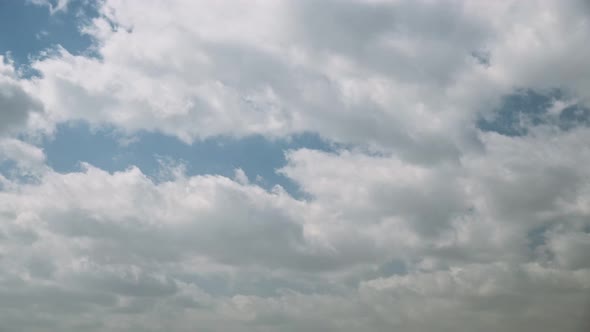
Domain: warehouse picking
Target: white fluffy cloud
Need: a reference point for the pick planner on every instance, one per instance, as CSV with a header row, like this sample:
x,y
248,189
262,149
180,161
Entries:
x,y
388,74
419,221
482,244
26,156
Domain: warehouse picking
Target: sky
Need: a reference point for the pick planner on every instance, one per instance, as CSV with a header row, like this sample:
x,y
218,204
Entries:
x,y
294,165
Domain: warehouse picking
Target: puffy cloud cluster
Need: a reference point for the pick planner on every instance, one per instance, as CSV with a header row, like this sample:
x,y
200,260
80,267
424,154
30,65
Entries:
x,y
19,110
378,244
408,75
418,221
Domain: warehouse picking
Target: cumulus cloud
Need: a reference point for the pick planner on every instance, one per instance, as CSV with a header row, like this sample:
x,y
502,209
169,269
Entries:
x,y
25,155
418,220
16,104
481,245
378,73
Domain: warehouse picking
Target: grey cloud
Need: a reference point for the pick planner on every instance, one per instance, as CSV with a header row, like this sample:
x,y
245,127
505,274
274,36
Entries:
x,y
15,106
482,294
570,248
128,283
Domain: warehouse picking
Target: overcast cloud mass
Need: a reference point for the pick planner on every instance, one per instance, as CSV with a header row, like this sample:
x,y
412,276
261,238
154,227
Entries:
x,y
430,168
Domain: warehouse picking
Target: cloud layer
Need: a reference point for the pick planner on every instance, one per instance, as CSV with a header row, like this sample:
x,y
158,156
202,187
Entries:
x,y
420,219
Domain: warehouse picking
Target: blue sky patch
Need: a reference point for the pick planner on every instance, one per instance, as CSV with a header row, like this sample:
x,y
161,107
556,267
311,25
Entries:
x,y
103,147
528,108
30,29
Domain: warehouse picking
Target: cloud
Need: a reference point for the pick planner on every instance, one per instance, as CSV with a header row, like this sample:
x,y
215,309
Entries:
x,y
54,6
25,155
16,103
194,220
464,298
486,240
376,73
421,218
